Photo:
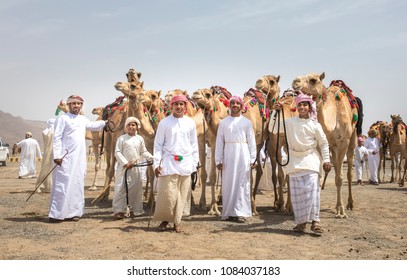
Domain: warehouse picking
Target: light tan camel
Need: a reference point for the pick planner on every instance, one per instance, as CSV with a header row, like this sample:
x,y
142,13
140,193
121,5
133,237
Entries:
x,y
397,147
268,85
258,115
96,143
384,130
338,120
214,110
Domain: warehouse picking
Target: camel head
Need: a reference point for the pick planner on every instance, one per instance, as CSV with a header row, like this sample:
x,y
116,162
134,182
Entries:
x,y
395,119
203,97
268,85
133,76
310,84
150,98
171,93
130,90
98,111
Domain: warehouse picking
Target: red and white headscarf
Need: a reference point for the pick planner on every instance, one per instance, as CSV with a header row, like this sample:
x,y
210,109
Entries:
x,y
74,98
178,98
360,139
301,97
238,99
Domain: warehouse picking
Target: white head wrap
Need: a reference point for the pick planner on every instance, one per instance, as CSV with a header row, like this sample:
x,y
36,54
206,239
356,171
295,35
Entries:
x,y
132,120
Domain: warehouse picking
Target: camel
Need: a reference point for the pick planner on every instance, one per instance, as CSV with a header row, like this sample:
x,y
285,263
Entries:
x,y
258,115
338,120
212,101
132,107
96,143
397,147
384,129
268,85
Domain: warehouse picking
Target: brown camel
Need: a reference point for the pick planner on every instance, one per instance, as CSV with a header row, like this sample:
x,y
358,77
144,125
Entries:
x,y
384,130
268,85
212,101
397,147
338,120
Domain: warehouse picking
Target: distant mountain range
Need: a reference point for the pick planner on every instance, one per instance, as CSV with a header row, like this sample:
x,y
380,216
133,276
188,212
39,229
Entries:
x,y
13,129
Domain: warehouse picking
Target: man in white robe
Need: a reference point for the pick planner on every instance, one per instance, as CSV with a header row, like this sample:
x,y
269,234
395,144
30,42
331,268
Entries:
x,y
372,144
235,155
68,179
176,157
30,150
361,154
304,135
48,160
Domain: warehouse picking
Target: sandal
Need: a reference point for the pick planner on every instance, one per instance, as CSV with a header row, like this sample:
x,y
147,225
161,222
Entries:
x,y
163,226
120,215
240,220
300,227
316,227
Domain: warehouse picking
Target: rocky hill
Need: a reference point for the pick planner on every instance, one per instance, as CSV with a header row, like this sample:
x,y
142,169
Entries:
x,y
12,128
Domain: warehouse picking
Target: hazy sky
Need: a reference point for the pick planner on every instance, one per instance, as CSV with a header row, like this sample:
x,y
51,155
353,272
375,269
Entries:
x,y
51,49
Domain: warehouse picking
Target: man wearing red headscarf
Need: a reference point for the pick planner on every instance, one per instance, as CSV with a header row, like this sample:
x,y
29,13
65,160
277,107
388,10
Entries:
x,y
68,179
235,155
304,135
176,157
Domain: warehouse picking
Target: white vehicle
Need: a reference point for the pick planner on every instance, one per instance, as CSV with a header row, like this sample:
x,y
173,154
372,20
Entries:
x,y
4,153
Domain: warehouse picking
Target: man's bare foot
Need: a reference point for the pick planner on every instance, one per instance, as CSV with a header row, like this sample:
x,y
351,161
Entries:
x,y
178,229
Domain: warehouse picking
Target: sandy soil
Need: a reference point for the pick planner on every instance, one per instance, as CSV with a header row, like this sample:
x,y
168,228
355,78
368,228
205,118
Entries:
x,y
375,230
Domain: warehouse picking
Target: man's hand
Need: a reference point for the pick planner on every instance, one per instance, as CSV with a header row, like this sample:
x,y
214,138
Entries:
x,y
327,166
277,106
157,171
58,161
254,165
219,166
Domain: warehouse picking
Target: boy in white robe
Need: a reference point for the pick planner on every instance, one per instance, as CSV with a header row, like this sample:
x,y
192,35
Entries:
x,y
130,149
235,155
176,157
304,134
372,144
361,154
67,201
30,150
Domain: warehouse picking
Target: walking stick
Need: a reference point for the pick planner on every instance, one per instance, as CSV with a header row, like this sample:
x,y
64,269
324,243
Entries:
x,y
153,202
46,176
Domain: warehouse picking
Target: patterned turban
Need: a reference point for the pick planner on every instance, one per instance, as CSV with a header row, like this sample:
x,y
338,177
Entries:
x,y
51,122
301,97
237,99
178,98
74,98
360,139
28,134
132,120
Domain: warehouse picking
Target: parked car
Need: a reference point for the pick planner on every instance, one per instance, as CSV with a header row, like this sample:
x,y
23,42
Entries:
x,y
4,152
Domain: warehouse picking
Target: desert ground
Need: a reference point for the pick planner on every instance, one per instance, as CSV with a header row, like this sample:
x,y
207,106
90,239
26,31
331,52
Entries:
x,y
375,230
